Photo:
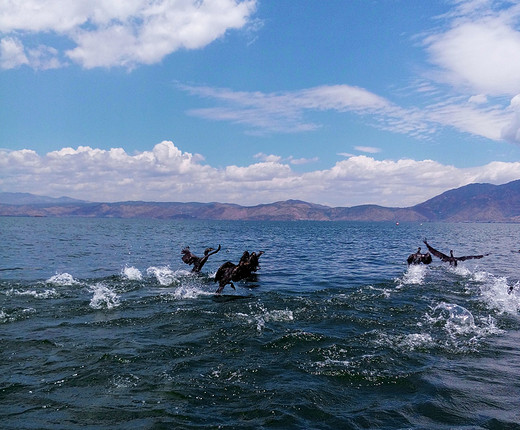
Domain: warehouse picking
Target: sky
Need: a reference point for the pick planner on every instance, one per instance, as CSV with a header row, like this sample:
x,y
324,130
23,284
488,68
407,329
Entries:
x,y
339,102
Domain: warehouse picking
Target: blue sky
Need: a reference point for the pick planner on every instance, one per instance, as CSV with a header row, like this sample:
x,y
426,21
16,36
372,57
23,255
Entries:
x,y
333,102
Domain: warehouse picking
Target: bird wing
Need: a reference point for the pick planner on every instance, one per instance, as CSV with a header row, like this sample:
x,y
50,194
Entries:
x,y
188,257
438,254
469,257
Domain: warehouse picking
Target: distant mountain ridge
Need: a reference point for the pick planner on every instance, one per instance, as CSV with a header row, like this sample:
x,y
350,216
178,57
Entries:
x,y
470,203
32,199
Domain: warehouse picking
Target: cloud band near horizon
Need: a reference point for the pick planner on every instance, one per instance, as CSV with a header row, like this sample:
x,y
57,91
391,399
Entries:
x,y
168,174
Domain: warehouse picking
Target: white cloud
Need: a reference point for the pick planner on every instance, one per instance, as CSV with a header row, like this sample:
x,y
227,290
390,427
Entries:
x,y
478,99
300,161
12,54
368,149
112,33
166,173
286,112
480,49
276,159
511,132
266,157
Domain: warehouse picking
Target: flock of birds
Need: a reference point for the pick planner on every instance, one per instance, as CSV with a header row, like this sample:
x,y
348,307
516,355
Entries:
x,y
230,272
227,273
418,257
426,258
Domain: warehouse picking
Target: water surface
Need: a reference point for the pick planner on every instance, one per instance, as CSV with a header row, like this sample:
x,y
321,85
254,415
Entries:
x,y
103,326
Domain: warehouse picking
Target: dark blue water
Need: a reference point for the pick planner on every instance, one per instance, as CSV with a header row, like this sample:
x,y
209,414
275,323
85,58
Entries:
x,y
103,326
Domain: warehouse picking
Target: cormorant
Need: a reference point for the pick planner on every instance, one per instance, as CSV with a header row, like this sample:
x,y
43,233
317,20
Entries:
x,y
189,258
451,258
230,272
419,258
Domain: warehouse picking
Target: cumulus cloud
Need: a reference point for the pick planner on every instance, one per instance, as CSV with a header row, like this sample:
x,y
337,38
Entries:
x,y
108,33
166,173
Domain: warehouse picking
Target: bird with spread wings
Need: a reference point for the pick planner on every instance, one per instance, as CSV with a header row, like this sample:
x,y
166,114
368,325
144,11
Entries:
x,y
451,258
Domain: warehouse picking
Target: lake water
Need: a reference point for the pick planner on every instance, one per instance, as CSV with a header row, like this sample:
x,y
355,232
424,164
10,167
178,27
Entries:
x,y
103,326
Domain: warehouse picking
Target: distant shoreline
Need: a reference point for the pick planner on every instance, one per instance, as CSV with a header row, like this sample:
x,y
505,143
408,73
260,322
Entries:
x,y
483,203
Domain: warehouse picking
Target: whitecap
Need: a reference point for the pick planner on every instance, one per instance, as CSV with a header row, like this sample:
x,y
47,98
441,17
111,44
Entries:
x,y
103,297
62,279
131,273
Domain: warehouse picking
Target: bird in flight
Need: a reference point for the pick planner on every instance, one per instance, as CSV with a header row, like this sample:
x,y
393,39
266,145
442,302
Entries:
x,y
451,258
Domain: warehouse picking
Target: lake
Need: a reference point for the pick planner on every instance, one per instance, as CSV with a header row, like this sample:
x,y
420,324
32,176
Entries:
x,y
103,326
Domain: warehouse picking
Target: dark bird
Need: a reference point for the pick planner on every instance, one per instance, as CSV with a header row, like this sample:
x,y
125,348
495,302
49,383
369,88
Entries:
x,y
230,272
451,258
419,258
189,258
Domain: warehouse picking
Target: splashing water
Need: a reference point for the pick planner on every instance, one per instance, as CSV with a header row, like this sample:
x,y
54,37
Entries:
x,y
415,275
156,348
104,297
500,294
131,273
62,279
459,318
165,276
45,294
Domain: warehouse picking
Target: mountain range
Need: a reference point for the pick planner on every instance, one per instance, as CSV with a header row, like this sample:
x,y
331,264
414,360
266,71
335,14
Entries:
x,y
471,203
